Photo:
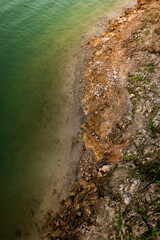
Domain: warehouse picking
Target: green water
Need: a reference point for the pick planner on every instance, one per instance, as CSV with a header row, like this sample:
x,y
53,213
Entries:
x,y
36,38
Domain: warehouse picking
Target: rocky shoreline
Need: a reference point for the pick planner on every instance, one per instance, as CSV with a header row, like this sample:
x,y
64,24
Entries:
x,y
117,193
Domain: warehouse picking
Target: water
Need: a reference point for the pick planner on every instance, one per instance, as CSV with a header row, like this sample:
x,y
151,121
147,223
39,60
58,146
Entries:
x,y
36,38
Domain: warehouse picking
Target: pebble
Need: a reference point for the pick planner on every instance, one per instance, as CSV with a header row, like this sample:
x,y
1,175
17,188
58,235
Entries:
x,y
132,95
79,214
105,168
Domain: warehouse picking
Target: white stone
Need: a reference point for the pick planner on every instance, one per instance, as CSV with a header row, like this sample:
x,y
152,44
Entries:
x,y
105,168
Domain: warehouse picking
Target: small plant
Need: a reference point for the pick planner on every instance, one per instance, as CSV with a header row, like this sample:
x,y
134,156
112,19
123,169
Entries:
x,y
150,171
148,80
138,40
131,236
140,78
140,150
120,219
138,99
141,210
154,17
136,209
153,135
154,87
147,32
137,77
137,195
155,111
156,232
138,223
150,69
125,157
139,176
134,107
151,124
157,204
157,190
146,236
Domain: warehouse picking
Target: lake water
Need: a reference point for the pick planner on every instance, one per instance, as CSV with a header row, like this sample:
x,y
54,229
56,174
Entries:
x,y
36,39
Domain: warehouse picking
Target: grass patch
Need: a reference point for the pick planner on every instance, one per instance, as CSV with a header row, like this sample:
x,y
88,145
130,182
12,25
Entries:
x,y
154,87
156,232
138,99
151,123
150,69
140,78
138,40
154,16
140,150
142,211
126,158
146,32
150,171
120,218
137,77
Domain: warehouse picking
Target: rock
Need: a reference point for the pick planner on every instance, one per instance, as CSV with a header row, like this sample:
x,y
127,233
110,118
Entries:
x,y
113,23
143,1
132,95
83,230
79,214
105,168
99,174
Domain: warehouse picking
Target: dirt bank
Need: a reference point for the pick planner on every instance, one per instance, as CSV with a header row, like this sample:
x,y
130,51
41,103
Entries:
x,y
117,196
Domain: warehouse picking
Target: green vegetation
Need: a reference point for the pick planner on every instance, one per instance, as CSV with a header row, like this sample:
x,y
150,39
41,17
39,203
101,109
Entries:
x,y
119,223
140,78
148,80
142,211
154,16
156,232
126,158
150,69
138,40
150,171
137,77
147,32
149,235
140,150
157,204
134,107
154,87
151,124
120,219
146,236
138,99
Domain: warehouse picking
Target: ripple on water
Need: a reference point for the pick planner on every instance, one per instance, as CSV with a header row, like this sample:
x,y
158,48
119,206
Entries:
x,y
36,39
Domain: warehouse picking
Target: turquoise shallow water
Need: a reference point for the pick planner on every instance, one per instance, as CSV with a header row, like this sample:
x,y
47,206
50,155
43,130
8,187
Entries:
x,y
36,38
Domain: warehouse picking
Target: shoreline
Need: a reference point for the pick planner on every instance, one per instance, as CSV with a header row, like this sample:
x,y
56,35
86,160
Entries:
x,y
79,60
75,71
55,194
90,187
74,86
